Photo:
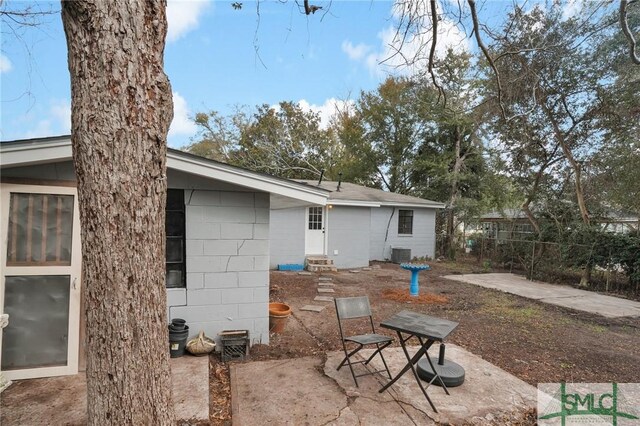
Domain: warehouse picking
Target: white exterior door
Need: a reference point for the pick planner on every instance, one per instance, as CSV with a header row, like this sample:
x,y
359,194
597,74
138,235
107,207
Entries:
x,y
314,231
40,280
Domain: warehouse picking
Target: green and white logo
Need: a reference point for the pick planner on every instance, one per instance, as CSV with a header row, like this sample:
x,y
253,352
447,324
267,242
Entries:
x,y
589,403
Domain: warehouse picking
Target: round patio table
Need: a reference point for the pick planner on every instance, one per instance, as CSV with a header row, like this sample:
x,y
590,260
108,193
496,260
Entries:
x,y
415,269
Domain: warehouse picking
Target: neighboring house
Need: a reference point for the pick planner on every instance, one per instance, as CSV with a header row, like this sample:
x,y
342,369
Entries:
x,y
514,224
217,251
619,222
507,224
358,225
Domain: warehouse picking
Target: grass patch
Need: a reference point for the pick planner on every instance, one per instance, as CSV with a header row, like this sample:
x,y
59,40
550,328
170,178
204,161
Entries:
x,y
514,312
597,328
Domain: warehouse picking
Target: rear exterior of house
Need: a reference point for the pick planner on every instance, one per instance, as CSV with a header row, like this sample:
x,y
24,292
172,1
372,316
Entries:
x,y
357,226
217,261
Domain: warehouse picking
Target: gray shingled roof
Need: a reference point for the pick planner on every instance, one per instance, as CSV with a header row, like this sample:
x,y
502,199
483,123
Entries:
x,y
352,192
509,214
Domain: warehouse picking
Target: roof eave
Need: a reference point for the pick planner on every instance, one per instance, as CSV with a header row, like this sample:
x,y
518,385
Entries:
x,y
414,205
213,170
29,154
53,150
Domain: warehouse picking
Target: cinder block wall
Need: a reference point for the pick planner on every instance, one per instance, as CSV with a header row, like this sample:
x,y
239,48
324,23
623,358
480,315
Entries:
x,y
422,242
348,235
286,229
227,255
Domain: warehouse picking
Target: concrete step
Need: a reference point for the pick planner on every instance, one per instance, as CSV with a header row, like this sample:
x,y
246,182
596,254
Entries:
x,y
319,260
312,308
321,268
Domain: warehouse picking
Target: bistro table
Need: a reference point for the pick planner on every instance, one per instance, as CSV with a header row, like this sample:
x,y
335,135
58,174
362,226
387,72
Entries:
x,y
427,330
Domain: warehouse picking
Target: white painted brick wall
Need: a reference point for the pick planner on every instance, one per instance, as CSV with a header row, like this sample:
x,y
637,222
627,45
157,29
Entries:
x,y
227,246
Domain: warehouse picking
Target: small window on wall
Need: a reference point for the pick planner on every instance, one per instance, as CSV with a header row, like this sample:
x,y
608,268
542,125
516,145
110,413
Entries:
x,y
405,222
175,228
315,218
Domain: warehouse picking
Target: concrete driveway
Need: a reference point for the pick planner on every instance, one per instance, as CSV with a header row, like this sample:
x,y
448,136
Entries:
x,y
568,297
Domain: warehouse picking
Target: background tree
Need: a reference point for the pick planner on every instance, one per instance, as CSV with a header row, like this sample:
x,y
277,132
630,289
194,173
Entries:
x,y
218,135
558,98
449,166
285,141
392,128
121,108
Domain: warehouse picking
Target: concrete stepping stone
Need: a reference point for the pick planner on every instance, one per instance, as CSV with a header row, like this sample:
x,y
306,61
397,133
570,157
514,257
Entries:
x,y
304,273
325,279
326,285
376,267
326,290
354,271
312,308
323,299
366,269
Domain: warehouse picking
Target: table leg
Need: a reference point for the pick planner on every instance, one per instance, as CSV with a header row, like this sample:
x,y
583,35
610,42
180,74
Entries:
x,y
433,368
411,365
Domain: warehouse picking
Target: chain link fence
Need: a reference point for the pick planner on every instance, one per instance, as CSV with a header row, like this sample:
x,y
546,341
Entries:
x,y
549,262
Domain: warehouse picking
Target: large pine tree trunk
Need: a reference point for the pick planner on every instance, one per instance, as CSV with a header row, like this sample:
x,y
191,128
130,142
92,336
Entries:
x,y
121,111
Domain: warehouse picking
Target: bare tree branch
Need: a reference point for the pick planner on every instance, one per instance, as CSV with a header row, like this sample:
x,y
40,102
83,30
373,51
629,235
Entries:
x,y
487,55
256,44
624,23
432,53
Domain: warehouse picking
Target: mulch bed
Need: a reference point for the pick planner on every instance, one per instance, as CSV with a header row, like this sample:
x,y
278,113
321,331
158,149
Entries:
x,y
403,296
219,392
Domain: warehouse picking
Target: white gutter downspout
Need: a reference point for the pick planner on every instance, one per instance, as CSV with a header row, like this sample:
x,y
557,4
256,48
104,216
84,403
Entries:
x,y
325,231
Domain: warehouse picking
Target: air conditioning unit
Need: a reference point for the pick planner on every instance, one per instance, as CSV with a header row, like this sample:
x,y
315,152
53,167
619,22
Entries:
x,y
400,255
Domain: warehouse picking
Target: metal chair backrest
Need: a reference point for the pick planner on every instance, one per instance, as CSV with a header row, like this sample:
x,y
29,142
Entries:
x,y
353,307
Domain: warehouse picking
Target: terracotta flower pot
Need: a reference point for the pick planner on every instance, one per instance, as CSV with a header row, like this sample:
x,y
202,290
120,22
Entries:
x,y
278,315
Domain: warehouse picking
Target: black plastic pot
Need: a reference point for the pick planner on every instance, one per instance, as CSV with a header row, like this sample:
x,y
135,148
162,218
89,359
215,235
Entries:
x,y
178,323
178,340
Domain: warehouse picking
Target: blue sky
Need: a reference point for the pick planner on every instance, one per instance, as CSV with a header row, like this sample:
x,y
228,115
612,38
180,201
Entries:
x,y
212,63
211,60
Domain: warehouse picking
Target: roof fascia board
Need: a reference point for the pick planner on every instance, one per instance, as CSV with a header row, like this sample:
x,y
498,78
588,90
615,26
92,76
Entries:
x,y
353,203
247,179
41,153
60,150
356,203
414,205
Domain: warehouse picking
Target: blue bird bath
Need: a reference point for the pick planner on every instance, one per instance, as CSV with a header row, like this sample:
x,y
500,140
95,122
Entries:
x,y
415,269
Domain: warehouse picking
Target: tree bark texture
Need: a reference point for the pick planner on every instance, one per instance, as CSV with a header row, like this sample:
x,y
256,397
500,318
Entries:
x,y
453,194
121,112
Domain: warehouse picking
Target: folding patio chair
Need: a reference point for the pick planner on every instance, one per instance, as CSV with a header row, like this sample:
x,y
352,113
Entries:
x,y
348,308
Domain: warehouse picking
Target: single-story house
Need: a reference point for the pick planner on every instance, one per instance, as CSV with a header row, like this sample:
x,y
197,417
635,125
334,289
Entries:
x,y
217,262
506,224
514,224
358,225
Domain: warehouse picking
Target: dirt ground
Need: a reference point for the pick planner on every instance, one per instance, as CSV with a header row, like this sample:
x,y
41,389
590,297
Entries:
x,y
537,342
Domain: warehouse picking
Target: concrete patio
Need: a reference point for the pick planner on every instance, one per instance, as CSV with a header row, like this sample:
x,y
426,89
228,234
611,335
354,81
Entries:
x,y
310,391
568,297
297,391
63,400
